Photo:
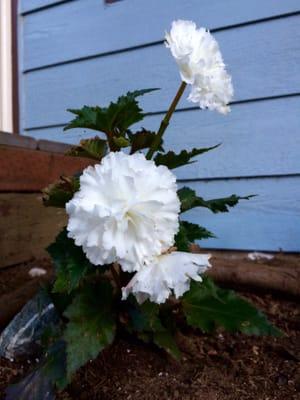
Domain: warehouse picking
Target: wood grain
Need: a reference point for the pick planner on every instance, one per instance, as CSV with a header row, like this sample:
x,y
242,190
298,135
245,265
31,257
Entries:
x,y
27,227
30,170
86,27
262,58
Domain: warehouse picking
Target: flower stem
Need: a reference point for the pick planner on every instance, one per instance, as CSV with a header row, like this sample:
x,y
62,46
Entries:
x,y
116,276
165,122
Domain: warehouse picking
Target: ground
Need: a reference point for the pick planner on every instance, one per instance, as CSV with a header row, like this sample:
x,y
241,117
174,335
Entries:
x,y
213,367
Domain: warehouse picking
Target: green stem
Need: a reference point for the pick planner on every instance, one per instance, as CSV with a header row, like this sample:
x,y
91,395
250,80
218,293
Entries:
x,y
165,122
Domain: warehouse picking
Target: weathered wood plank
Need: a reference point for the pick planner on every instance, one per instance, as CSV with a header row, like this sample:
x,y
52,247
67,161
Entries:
x,y
259,138
27,227
30,170
268,222
263,60
86,27
10,139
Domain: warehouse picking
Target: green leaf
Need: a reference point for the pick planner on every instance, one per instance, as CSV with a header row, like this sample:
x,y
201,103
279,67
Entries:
x,y
142,140
60,192
55,364
86,117
146,321
145,317
114,119
206,306
95,149
121,142
70,263
189,199
91,326
173,160
165,341
188,233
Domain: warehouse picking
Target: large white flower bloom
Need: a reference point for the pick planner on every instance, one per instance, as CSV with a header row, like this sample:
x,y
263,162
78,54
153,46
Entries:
x,y
125,211
201,64
166,273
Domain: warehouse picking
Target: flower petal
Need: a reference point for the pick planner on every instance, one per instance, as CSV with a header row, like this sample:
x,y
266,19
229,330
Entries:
x,y
166,274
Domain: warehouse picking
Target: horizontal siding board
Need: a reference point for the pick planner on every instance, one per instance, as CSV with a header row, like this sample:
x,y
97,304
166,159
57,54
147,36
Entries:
x,y
31,5
269,222
86,27
256,139
263,59
259,138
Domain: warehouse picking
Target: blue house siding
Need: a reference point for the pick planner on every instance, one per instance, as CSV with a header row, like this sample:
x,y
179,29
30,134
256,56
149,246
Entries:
x,y
82,52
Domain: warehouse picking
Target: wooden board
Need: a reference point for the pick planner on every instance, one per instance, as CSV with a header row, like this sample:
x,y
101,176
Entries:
x,y
262,58
93,28
268,222
30,170
256,139
27,227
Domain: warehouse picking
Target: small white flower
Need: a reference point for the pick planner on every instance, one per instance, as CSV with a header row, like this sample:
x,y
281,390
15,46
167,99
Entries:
x,y
166,273
125,211
201,65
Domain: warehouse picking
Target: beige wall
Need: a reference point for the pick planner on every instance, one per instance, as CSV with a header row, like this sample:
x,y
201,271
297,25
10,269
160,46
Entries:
x,y
6,119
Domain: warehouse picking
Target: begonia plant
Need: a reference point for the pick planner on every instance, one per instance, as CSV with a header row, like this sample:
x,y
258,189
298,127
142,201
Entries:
x,y
123,264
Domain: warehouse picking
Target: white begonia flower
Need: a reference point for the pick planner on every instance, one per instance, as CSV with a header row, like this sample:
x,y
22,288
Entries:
x,y
125,211
165,274
201,65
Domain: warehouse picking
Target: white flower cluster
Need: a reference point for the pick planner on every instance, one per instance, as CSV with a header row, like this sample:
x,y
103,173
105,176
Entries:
x,y
201,65
126,211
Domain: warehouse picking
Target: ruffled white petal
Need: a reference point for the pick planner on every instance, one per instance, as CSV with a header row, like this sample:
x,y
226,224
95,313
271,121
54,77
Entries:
x,y
125,211
166,274
201,65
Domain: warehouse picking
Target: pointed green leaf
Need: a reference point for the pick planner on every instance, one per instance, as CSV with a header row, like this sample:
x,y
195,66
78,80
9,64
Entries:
x,y
188,233
165,341
189,199
114,119
95,149
91,326
173,160
86,117
142,140
60,192
206,306
70,263
145,320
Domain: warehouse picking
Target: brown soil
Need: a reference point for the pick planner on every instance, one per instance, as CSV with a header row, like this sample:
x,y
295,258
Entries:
x,y
17,287
213,367
13,278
